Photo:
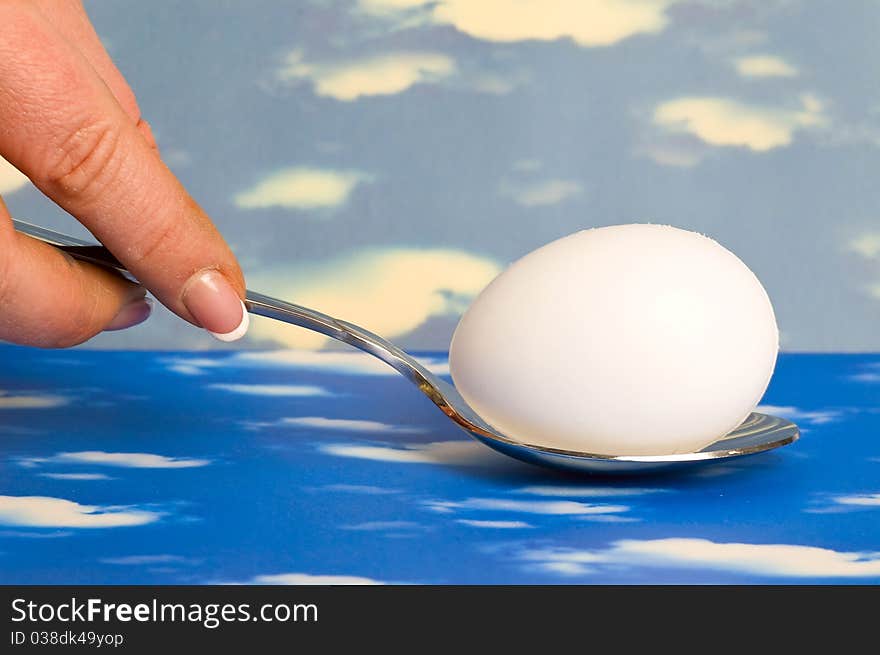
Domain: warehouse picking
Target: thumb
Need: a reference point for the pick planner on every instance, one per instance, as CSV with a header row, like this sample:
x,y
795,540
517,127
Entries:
x,y
50,300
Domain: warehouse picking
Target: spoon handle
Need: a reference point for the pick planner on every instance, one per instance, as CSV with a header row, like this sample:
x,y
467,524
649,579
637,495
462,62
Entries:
x,y
261,305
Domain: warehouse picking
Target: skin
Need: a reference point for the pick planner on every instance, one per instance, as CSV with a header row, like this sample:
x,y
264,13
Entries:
x,y
70,122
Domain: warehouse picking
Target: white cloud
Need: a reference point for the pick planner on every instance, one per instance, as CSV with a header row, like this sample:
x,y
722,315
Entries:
x,y
309,579
764,66
866,377
378,75
273,390
350,362
794,414
454,453
727,122
392,73
24,534
867,245
588,23
390,291
126,460
8,400
365,489
588,492
564,567
545,192
186,369
11,179
382,526
76,476
859,500
302,187
140,560
773,560
781,560
46,512
830,509
197,365
830,504
343,425
609,518
547,507
498,525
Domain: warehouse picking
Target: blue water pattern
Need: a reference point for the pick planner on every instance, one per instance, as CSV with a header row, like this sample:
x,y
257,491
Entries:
x,y
290,467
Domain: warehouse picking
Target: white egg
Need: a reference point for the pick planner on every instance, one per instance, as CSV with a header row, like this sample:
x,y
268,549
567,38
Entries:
x,y
621,340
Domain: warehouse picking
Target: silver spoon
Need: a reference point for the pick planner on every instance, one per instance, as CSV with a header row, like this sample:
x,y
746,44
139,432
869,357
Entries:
x,y
758,433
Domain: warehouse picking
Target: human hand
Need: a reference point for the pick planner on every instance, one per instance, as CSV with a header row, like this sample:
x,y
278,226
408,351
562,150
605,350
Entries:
x,y
70,122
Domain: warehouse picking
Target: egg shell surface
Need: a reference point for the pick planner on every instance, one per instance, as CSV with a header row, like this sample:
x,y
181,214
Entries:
x,y
623,340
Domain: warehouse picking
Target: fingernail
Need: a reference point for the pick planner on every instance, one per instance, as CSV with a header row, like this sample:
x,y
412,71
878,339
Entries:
x,y
137,311
213,302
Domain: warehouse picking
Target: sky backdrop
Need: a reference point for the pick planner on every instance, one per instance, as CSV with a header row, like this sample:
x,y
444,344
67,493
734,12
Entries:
x,y
382,160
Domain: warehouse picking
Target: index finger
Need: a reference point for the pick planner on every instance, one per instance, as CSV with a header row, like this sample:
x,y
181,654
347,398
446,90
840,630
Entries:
x,y
70,19
63,128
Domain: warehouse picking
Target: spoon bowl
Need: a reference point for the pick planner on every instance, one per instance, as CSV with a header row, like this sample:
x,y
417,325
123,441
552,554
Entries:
x,y
758,433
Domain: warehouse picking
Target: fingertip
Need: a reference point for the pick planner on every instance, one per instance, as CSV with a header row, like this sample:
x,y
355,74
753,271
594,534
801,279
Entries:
x,y
213,302
51,300
133,313
239,331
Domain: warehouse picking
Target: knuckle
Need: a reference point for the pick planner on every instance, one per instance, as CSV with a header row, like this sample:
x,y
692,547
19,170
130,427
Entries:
x,y
159,237
86,162
128,101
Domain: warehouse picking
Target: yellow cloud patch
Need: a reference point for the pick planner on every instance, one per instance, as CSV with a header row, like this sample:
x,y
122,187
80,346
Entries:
x,y
299,579
776,560
388,291
301,187
545,192
47,512
371,76
727,122
764,66
388,6
11,179
867,245
586,22
30,401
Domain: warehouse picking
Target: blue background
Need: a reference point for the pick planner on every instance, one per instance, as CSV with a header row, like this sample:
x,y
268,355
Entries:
x,y
279,485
